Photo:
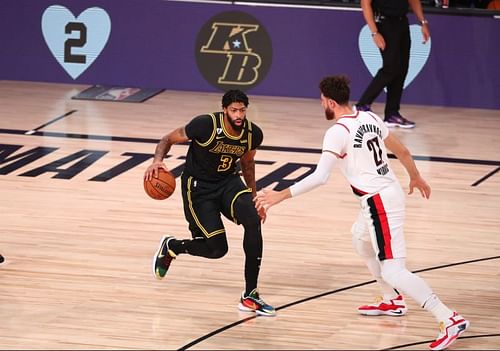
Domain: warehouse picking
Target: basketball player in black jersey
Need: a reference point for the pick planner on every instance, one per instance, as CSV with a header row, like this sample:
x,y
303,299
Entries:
x,y
211,186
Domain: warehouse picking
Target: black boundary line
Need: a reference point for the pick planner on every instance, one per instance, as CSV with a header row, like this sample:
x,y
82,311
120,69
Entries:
x,y
262,147
429,341
29,132
229,326
486,177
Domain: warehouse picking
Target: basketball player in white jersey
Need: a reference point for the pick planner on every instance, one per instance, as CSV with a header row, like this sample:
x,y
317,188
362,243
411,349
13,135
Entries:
x,y
357,142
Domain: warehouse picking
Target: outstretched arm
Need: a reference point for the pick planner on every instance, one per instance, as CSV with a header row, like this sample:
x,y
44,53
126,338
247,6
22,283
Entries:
x,y
404,156
174,137
268,198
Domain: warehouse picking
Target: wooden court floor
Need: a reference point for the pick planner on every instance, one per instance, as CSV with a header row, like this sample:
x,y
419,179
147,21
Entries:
x,y
79,232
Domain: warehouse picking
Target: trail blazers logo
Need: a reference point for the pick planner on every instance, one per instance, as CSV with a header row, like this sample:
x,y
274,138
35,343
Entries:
x,y
233,51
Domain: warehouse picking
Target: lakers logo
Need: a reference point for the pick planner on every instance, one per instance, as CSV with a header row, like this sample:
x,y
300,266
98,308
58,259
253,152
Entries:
x,y
233,51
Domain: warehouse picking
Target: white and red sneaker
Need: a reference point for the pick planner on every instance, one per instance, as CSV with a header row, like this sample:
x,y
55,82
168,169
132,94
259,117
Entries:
x,y
449,331
394,307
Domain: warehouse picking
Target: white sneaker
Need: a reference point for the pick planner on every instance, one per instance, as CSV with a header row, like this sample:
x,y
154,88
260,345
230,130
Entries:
x,y
449,331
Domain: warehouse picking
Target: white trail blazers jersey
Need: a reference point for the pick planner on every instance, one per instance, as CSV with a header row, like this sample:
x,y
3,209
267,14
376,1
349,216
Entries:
x,y
359,140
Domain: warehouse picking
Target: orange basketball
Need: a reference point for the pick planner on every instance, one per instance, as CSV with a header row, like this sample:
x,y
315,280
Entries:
x,y
162,187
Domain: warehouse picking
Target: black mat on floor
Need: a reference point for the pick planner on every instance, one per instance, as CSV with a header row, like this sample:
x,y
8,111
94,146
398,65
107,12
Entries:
x,y
112,93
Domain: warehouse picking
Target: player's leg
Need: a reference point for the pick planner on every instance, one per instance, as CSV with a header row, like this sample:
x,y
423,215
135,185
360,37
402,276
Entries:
x,y
387,212
451,324
202,211
390,302
239,207
208,234
247,216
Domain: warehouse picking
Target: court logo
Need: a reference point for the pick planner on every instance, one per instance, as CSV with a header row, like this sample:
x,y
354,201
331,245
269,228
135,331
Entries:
x,y
75,42
233,51
419,52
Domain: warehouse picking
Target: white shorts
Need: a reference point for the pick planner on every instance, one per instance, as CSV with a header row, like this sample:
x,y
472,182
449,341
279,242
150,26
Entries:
x,y
381,221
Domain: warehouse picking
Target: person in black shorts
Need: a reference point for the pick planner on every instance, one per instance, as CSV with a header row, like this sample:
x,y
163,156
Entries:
x,y
220,144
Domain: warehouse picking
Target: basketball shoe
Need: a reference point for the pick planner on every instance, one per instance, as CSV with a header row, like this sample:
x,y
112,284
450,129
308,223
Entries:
x,y
394,307
163,258
397,120
364,108
449,331
253,303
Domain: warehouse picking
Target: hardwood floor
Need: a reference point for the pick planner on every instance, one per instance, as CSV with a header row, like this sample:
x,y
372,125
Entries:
x,y
79,232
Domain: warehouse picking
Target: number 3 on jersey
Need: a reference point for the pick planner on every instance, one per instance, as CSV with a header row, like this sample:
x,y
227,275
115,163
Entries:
x,y
225,163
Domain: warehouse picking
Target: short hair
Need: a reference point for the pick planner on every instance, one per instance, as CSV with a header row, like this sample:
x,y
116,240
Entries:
x,y
234,96
336,88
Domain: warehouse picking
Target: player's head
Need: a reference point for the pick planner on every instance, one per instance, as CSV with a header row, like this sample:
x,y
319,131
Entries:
x,y
334,88
234,104
234,96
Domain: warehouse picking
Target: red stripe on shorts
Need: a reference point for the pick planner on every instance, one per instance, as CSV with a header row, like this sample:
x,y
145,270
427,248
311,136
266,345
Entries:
x,y
384,225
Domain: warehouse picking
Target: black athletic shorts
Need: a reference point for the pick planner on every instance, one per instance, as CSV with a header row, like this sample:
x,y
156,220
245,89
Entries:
x,y
205,201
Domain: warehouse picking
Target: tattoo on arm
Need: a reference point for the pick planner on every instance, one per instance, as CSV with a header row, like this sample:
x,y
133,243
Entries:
x,y
162,149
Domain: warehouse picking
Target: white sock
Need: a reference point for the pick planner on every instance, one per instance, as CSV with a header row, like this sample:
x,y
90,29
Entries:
x,y
438,309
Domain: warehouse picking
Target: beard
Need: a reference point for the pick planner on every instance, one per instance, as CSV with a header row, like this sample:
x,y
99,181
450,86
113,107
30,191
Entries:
x,y
237,128
329,114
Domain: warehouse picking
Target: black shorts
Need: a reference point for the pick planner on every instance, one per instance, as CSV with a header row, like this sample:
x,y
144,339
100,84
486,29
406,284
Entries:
x,y
205,201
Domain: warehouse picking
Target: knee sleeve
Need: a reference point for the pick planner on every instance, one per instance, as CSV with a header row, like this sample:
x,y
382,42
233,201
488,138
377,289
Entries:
x,y
247,215
217,246
245,211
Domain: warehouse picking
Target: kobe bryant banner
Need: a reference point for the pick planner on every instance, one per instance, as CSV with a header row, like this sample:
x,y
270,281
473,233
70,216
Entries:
x,y
233,51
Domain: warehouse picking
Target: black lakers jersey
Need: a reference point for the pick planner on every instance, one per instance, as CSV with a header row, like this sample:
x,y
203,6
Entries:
x,y
213,152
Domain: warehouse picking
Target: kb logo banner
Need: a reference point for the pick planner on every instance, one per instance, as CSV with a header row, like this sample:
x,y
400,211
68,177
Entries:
x,y
233,51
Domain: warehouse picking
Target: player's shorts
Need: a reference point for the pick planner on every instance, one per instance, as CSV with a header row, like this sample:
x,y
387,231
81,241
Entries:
x,y
381,221
205,201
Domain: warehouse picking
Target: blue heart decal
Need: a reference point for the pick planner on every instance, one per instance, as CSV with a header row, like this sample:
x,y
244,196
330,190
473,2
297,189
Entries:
x,y
75,42
419,52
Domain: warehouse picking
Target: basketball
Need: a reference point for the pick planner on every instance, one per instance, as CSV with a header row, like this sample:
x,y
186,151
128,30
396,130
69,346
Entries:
x,y
162,187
